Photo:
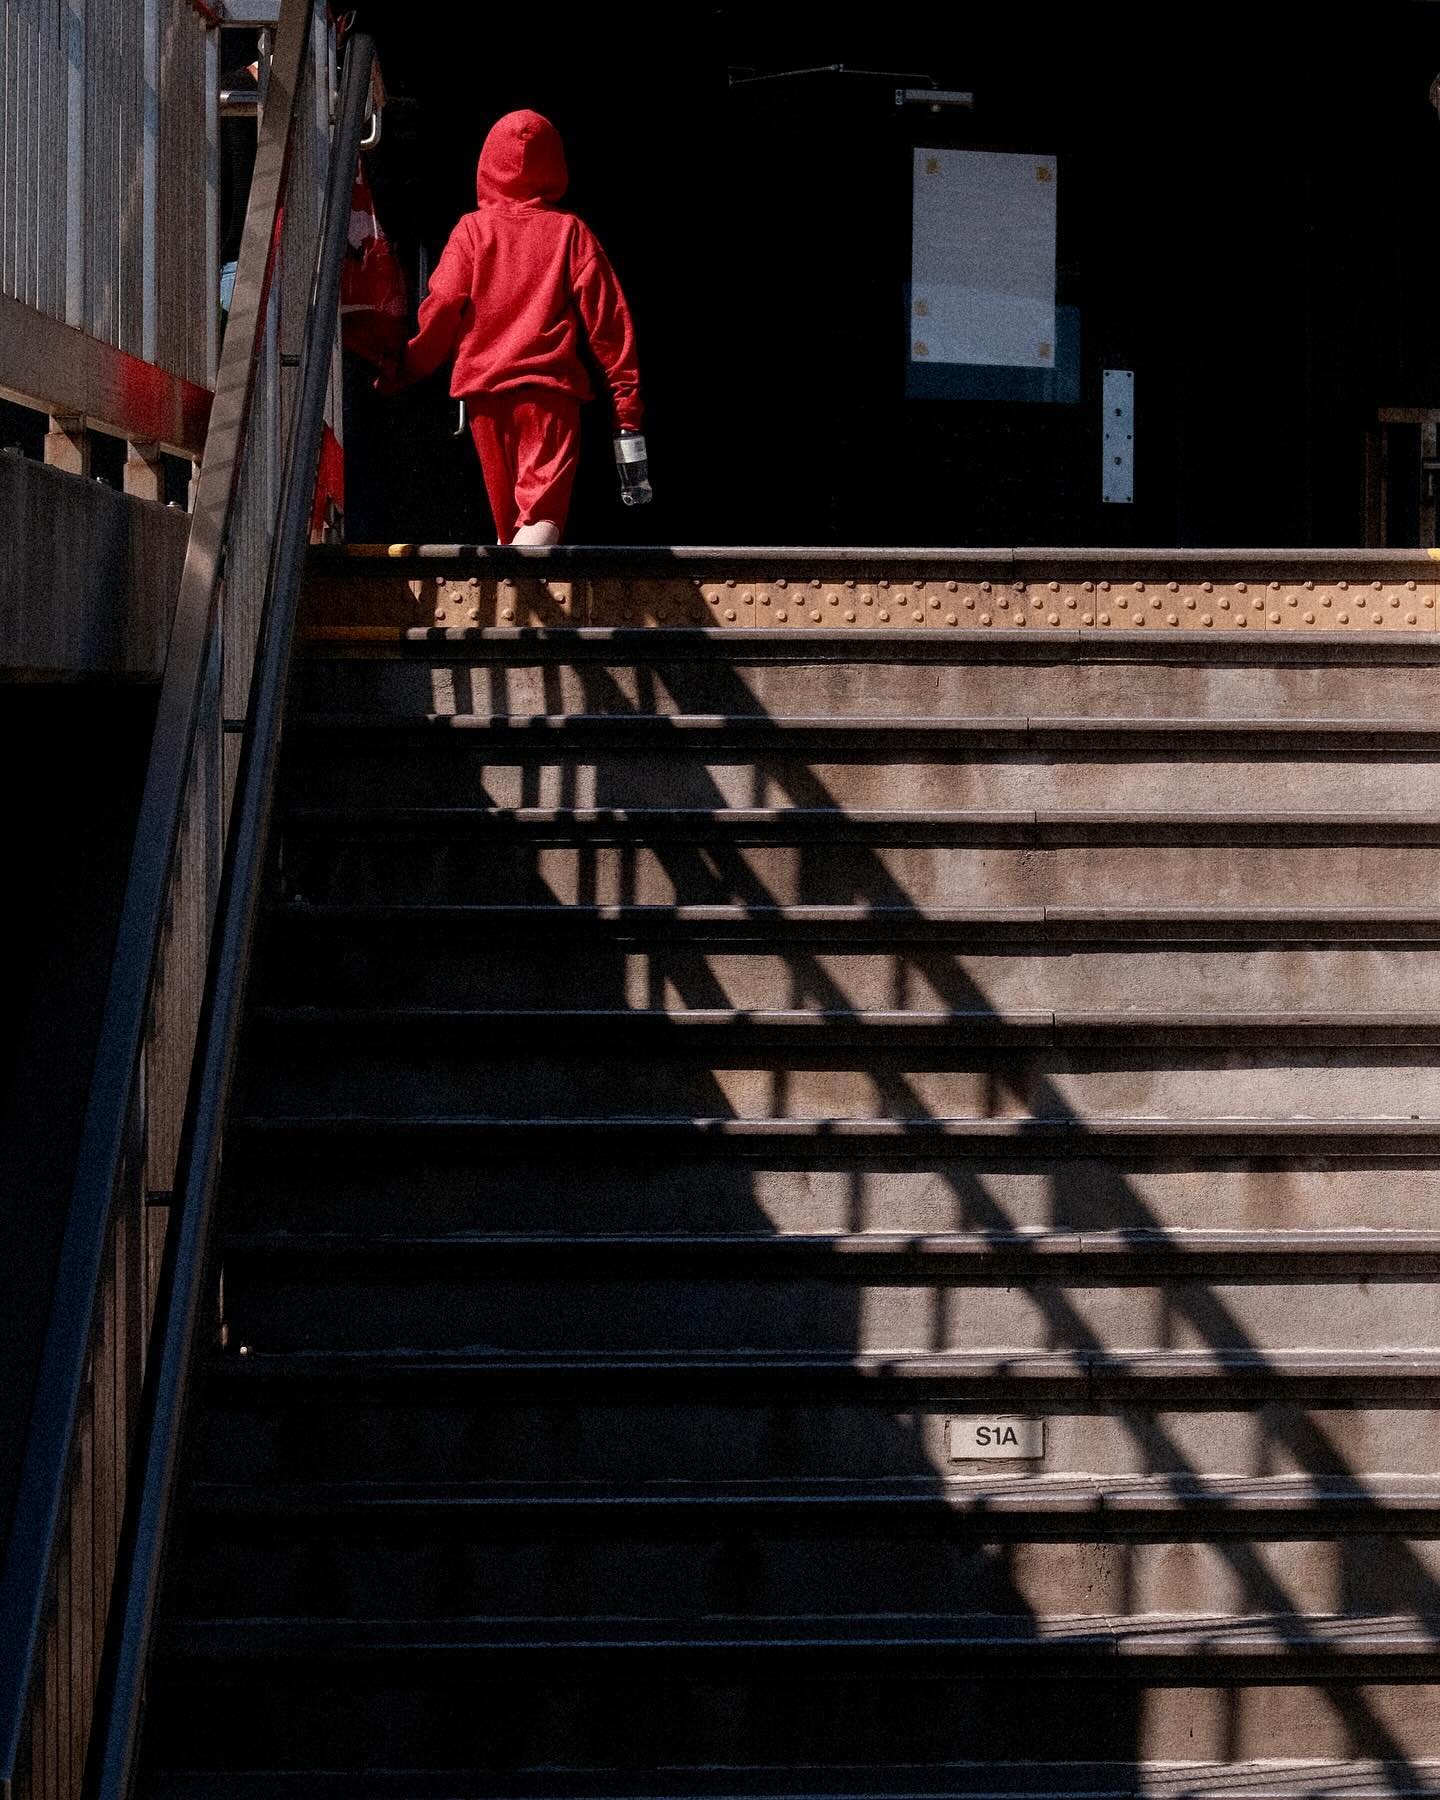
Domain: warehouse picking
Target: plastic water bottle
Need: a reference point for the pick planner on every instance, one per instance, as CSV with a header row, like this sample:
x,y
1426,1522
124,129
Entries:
x,y
634,467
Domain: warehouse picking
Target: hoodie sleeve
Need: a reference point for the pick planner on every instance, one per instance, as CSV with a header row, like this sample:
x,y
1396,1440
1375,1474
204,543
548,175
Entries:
x,y
442,311
606,318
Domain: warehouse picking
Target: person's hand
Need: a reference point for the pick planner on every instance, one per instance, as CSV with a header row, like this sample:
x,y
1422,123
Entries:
x,y
391,378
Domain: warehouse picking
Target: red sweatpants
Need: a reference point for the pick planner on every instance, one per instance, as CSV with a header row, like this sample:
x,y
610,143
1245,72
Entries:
x,y
528,443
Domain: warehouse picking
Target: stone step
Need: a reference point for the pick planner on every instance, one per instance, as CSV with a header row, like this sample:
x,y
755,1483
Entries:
x,y
1316,1779
653,1693
637,1306
813,1081
416,1182
891,762
682,1420
789,857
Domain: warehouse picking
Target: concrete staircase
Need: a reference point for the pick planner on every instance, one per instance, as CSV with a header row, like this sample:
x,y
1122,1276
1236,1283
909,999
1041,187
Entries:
x,y
698,1083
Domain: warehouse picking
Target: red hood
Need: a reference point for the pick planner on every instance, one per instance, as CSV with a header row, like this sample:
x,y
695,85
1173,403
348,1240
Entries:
x,y
523,159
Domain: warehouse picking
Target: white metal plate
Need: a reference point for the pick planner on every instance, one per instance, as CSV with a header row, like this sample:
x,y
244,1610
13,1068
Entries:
x,y
982,261
996,1439
1117,470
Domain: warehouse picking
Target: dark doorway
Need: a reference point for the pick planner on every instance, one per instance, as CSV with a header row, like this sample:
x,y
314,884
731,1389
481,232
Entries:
x,y
1243,222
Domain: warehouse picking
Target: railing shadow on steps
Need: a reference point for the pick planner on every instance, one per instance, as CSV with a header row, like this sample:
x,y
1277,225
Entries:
x,y
1292,1436
82,1561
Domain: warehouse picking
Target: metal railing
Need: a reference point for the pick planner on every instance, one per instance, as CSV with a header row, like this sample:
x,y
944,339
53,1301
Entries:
x,y
83,1560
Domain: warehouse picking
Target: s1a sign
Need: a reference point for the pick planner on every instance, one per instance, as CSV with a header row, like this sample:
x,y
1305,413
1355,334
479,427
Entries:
x,y
997,1439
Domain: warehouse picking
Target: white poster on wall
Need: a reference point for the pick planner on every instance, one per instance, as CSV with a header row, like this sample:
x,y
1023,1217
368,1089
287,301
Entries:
x,y
982,264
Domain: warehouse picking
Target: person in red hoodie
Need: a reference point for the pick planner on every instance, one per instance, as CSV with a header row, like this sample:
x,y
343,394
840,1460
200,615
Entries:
x,y
519,284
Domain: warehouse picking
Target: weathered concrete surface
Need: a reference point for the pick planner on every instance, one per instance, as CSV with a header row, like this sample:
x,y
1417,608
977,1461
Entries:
x,y
88,576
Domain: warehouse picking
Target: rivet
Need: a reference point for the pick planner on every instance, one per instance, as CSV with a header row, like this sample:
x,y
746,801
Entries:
x,y
970,603
782,582
849,581
951,586
1394,599
1139,619
1205,619
935,603
849,618
781,617
1070,602
918,617
509,613
1344,618
1019,619
1242,621
730,614
1087,618
816,617
950,619
1207,587
869,600
1156,603
1409,618
984,587
1274,587
1224,606
1087,587
1411,586
439,615
729,581
764,599
1189,606
834,599
1429,602
1139,587
1172,619
1309,618
1258,605
474,581
1239,587
1376,586
474,613
814,583
884,581
1104,618
1325,600
1290,600
1377,618
1174,586
984,618
917,584
884,618
1104,587
1274,618
1054,587
1310,584
1019,587
1342,584
1054,619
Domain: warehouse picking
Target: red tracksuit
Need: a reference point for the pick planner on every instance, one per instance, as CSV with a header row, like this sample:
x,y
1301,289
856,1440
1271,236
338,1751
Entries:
x,y
518,285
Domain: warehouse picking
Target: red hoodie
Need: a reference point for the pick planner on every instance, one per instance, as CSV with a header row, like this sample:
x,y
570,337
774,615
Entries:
x,y
520,280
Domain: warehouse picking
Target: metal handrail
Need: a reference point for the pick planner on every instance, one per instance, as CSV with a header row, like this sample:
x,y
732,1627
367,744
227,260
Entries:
x,y
107,1141
184,1289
